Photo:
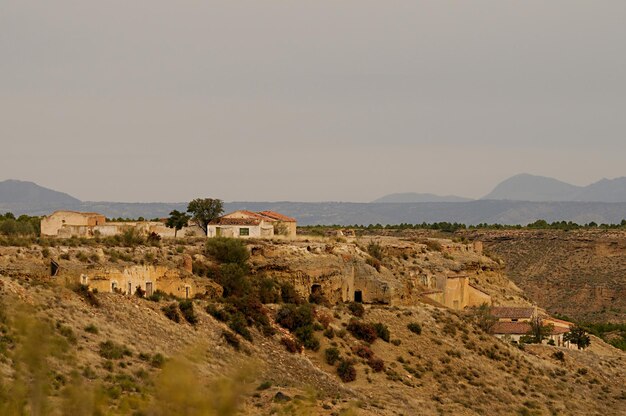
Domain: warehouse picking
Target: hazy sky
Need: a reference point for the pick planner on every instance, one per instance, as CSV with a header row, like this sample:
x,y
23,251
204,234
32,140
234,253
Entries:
x,y
309,100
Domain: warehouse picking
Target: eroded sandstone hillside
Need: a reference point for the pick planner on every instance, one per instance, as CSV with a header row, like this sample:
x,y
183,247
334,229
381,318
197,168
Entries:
x,y
581,274
67,351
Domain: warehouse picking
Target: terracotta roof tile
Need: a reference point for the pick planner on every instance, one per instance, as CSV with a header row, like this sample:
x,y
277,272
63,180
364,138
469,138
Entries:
x,y
277,216
511,328
235,221
520,328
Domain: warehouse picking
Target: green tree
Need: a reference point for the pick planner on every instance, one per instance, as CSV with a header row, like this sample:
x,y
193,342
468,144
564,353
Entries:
x,y
203,210
483,317
177,220
538,331
578,336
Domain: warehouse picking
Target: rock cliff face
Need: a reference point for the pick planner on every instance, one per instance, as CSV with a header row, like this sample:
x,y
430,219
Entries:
x,y
107,352
345,271
581,274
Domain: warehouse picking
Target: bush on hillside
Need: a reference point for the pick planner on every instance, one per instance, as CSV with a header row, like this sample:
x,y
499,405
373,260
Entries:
x,y
362,330
332,355
227,250
382,331
171,312
356,309
186,308
415,328
346,371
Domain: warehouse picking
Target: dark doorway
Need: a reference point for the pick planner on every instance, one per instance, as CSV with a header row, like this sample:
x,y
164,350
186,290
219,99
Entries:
x,y
54,268
358,296
149,290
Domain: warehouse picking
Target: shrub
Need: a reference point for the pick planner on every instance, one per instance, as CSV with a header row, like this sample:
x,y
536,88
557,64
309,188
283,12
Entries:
x,y
324,318
332,355
253,311
231,339
264,386
227,250
239,325
433,245
559,355
171,312
268,290
356,309
375,263
220,314
318,298
139,292
157,360
186,308
292,317
132,238
291,345
82,257
154,239
88,295
363,351
382,331
362,330
375,250
377,364
232,277
346,371
306,335
45,252
157,295
68,333
415,328
91,328
329,333
289,294
113,351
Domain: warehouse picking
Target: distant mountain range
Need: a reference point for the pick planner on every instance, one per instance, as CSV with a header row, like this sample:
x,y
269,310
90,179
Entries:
x,y
525,187
604,202
416,197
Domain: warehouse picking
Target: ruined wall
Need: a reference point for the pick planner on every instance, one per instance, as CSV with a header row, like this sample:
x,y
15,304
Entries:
x,y
52,224
477,297
149,279
254,231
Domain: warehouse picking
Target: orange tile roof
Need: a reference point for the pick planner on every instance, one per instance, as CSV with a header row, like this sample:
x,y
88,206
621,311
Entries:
x,y
235,221
520,328
511,328
558,321
277,216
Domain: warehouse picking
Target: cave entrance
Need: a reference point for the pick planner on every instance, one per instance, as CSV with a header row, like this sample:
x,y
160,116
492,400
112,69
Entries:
x,y
358,296
316,289
54,268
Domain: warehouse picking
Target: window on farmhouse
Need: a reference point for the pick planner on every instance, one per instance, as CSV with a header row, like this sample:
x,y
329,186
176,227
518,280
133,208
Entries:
x,y
244,231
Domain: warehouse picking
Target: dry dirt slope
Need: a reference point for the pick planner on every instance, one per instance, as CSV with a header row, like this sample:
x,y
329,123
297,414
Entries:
x,y
451,368
52,358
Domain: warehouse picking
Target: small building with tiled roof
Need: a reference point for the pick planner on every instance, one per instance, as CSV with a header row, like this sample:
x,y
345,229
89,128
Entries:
x,y
514,323
247,224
